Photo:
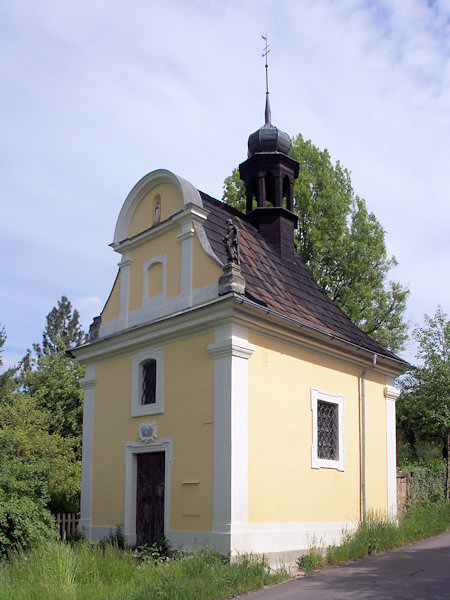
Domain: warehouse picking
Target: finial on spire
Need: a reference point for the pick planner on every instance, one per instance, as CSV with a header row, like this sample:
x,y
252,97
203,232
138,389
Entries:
x,y
266,51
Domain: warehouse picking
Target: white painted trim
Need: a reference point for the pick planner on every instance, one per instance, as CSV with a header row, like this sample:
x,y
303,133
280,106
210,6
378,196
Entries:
x,y
206,308
320,463
138,409
88,384
157,309
189,194
258,538
174,221
265,538
124,292
96,533
131,450
149,301
231,352
391,393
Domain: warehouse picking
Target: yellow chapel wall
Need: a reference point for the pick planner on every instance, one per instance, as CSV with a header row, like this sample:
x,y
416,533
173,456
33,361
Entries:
x,y
165,244
170,200
283,486
187,419
112,307
205,270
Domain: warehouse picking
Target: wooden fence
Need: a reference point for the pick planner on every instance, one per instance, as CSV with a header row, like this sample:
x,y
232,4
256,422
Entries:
x,y
67,524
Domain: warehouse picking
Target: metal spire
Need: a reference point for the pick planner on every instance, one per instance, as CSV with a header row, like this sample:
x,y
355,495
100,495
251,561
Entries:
x,y
266,51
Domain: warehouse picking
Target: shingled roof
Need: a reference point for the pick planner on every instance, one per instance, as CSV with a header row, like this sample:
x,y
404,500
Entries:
x,y
283,286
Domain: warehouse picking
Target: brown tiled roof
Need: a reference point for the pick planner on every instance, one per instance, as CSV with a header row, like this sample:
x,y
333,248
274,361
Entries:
x,y
285,287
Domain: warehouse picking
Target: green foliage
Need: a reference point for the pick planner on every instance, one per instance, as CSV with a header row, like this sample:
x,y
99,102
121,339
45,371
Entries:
x,y
52,376
40,434
423,519
63,329
7,381
312,560
423,409
234,190
428,483
54,385
2,342
341,243
79,571
25,520
35,463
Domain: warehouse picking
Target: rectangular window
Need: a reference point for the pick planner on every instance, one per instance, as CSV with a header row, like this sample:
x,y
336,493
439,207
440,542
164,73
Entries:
x,y
149,382
328,430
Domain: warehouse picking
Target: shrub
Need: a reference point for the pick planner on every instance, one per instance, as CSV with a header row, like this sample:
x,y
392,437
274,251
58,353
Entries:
x,y
25,520
24,524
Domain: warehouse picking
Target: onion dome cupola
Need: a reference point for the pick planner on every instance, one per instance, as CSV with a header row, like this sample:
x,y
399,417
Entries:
x,y
269,174
269,138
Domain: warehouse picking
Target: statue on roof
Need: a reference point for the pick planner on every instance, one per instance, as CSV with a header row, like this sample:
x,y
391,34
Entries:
x,y
231,241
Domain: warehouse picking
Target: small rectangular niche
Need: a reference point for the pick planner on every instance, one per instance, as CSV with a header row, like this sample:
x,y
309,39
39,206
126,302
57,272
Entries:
x,y
190,497
154,279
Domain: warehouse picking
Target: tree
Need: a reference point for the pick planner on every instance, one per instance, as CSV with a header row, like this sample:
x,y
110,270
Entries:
x,y
2,342
52,377
341,243
423,409
7,382
63,329
54,385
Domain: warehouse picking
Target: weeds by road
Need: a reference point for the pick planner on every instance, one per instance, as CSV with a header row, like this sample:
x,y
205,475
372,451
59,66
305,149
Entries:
x,y
420,521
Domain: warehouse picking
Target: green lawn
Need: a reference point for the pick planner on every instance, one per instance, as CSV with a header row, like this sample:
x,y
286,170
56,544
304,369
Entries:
x,y
57,571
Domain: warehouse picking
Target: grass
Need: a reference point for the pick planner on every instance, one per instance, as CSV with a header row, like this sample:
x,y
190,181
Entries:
x,y
376,534
57,571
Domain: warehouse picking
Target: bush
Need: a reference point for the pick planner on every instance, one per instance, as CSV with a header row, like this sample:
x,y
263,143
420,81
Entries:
x,y
25,520
428,482
24,524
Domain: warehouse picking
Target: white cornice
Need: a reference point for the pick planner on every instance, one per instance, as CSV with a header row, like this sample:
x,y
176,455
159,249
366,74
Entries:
x,y
261,320
201,318
193,321
125,262
391,393
231,347
193,213
87,383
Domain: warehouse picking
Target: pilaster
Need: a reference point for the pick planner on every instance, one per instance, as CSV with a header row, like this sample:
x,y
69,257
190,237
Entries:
x,y
88,384
391,394
231,352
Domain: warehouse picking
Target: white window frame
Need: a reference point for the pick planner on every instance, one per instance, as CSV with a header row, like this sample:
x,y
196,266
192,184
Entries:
x,y
322,463
138,409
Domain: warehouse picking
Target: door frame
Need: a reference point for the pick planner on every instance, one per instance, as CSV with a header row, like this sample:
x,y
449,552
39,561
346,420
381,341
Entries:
x,y
131,450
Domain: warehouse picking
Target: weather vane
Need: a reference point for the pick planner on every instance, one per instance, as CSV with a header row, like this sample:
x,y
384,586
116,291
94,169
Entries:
x,y
264,55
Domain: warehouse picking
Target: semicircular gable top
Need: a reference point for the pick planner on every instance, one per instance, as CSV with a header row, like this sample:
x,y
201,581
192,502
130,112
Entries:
x,y
173,194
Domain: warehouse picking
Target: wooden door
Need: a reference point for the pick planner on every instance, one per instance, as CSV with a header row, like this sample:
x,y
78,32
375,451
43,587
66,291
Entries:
x,y
150,497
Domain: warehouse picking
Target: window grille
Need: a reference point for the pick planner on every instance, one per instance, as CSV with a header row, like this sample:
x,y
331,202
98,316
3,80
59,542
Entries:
x,y
327,430
149,382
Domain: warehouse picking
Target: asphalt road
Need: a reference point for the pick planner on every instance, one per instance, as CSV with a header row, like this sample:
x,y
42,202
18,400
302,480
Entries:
x,y
415,572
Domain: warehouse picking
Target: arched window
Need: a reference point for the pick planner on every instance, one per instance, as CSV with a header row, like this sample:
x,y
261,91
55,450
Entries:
x,y
147,383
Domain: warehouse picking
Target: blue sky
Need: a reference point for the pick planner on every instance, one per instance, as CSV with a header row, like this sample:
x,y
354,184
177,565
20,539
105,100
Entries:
x,y
94,95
